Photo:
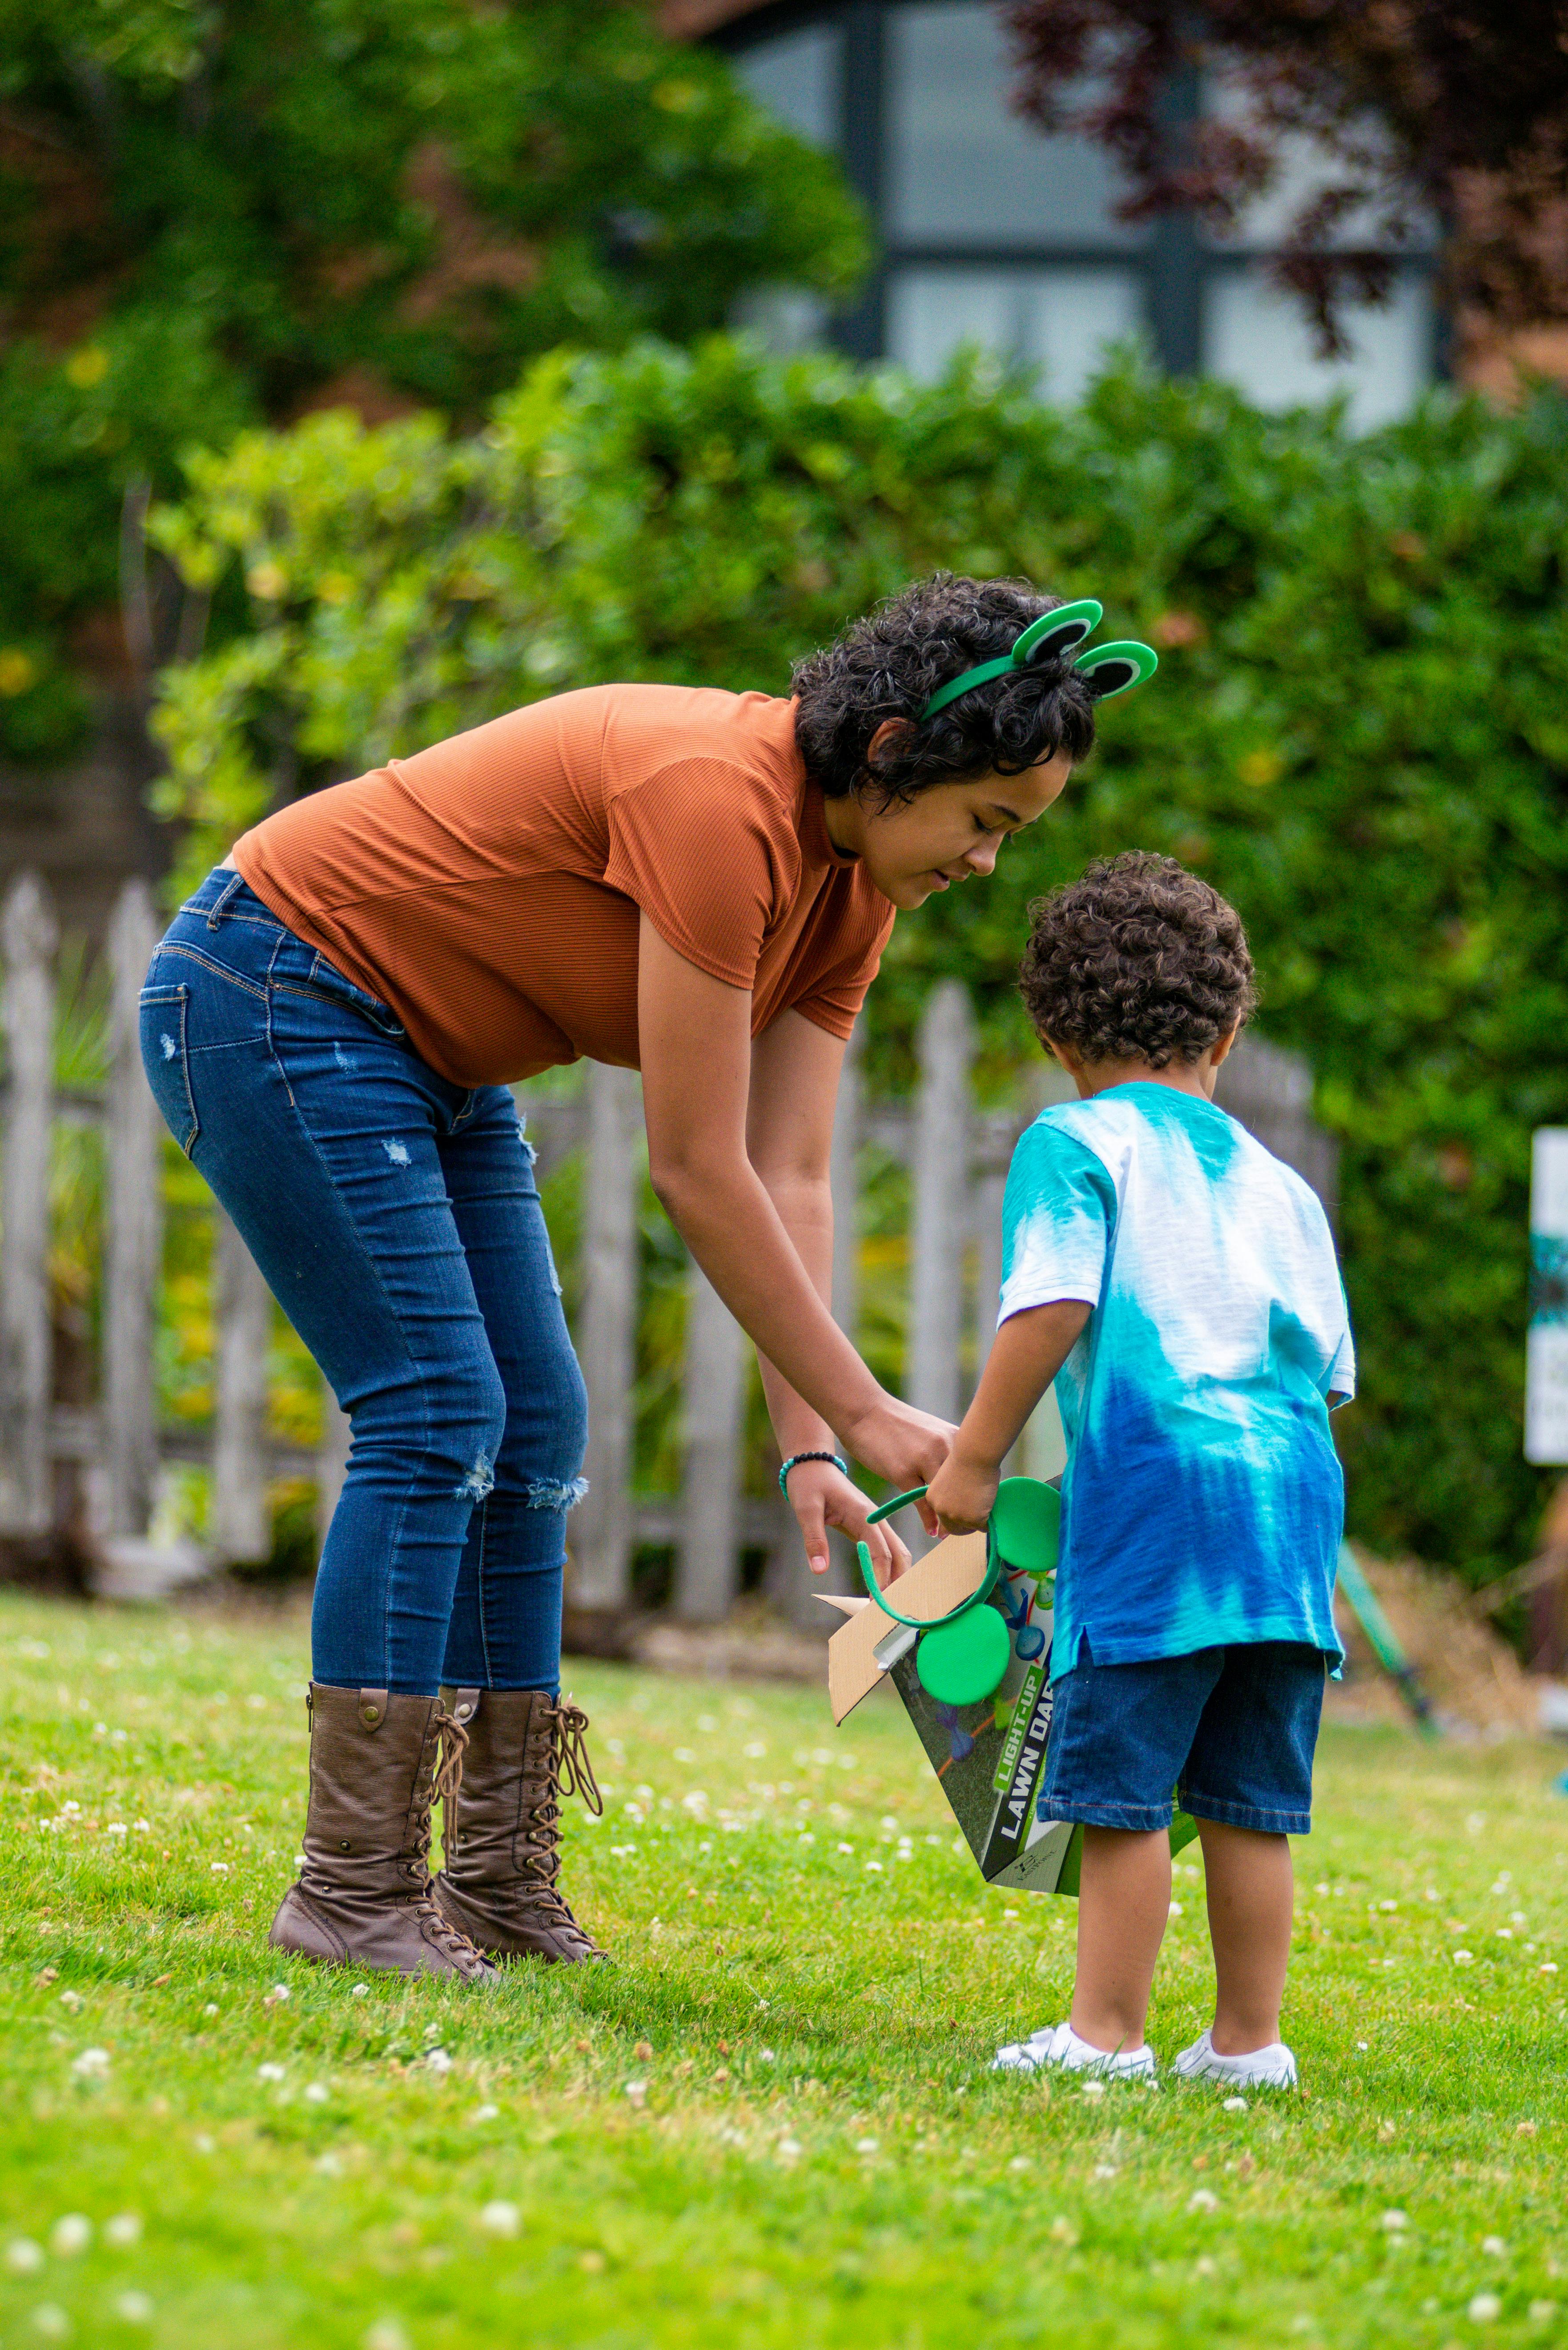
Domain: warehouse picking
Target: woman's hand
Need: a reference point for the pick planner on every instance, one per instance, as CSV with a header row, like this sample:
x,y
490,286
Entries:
x,y
962,1492
823,1496
905,1446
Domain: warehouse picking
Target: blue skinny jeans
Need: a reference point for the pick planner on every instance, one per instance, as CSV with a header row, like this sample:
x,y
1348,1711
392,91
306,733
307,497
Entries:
x,y
397,1221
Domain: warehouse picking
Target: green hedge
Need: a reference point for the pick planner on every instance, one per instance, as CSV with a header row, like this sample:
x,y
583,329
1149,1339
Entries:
x,y
1360,731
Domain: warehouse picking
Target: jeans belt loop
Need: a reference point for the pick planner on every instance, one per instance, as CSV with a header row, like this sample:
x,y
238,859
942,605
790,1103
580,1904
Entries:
x,y
236,883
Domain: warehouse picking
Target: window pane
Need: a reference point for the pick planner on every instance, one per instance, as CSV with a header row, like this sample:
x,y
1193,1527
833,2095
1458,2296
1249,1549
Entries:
x,y
961,164
1259,339
1059,320
798,79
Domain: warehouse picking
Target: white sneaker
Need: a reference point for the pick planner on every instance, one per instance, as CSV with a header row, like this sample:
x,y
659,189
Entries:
x,y
1262,2068
1059,2045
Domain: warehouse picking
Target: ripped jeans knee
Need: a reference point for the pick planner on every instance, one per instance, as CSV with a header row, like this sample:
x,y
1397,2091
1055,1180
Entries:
x,y
553,1492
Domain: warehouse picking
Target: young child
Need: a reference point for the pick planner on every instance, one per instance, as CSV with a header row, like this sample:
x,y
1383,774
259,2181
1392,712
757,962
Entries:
x,y
1181,1286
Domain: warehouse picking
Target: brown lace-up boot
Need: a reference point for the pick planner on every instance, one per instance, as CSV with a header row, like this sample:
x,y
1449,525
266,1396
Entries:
x,y
504,1826
363,1898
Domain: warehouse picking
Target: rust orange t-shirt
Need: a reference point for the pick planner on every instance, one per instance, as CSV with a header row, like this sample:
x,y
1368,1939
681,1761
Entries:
x,y
489,888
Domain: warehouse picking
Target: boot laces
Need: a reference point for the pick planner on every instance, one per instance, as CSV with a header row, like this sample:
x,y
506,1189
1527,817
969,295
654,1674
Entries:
x,y
567,1771
445,1779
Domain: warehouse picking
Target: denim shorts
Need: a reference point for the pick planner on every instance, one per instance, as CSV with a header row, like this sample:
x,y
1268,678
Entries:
x,y
1232,1730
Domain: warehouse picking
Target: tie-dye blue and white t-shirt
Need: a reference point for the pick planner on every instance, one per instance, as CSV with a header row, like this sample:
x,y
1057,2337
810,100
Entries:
x,y
1202,1499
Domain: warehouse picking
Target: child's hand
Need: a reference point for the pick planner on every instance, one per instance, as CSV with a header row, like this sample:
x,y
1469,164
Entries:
x,y
961,1493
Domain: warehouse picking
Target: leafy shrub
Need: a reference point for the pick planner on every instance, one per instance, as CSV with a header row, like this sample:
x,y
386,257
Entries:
x,y
1357,732
211,214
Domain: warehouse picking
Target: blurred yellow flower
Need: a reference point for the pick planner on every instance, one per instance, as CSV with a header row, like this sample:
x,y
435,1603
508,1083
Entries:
x,y
1260,768
18,671
266,580
87,367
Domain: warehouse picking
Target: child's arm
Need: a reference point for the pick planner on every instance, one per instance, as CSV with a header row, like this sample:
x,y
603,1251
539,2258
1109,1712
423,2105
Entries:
x,y
1030,1348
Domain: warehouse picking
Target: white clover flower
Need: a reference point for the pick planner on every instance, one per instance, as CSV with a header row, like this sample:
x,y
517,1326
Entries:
x,y
23,2256
1234,2105
1485,2309
867,2145
360,1991
438,2061
211,2008
1464,1959
269,2073
385,2334
276,1996
1393,2223
637,2091
92,2064
70,2235
316,2093
133,2309
788,2149
486,2113
1495,2246
51,2322
219,1867
876,1866
125,2228
1203,2199
72,2001
117,1828
500,2219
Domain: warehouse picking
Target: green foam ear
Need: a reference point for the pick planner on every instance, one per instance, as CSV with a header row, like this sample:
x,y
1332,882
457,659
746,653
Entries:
x,y
1025,1524
1111,669
963,1660
1056,634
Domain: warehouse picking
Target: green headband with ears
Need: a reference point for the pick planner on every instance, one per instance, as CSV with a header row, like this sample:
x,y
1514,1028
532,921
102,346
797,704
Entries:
x,y
1108,671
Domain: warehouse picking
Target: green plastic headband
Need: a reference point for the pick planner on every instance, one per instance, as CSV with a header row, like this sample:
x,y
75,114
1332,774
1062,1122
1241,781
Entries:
x,y
1108,669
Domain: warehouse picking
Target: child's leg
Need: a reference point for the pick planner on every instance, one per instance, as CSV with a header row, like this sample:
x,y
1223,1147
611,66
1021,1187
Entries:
x,y
1123,1902
1251,1896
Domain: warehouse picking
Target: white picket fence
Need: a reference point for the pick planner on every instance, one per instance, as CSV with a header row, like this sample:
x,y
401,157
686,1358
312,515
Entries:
x,y
956,1156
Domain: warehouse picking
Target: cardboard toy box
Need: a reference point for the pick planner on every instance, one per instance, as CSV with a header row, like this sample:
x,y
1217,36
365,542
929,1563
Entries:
x,y
988,1757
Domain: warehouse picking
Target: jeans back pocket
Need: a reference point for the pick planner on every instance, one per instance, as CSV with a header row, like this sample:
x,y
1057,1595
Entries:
x,y
166,1058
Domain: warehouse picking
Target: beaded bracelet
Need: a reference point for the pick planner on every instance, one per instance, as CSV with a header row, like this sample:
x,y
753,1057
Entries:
x,y
796,1457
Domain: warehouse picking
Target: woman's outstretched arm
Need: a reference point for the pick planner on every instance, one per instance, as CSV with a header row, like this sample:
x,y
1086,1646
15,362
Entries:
x,y
696,1051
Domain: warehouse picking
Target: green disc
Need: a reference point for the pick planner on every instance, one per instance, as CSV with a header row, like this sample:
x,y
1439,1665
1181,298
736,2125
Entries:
x,y
1056,634
962,1660
1110,670
1025,1522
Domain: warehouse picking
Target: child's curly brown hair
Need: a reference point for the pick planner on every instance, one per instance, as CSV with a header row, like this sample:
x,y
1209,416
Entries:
x,y
1141,961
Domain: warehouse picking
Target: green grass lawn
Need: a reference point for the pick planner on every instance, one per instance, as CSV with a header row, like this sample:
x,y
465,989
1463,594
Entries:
x,y
769,2122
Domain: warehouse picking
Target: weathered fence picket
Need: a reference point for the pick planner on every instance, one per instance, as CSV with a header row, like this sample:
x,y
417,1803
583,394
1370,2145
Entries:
x,y
133,1236
957,1154
240,1524
28,939
939,1219
713,1392
602,1544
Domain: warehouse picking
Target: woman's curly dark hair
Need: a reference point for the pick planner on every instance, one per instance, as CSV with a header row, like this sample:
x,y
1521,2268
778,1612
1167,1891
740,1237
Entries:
x,y
1141,961
890,664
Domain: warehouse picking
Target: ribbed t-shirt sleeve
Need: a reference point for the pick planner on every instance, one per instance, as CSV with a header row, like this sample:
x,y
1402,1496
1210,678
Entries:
x,y
698,846
1057,1215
